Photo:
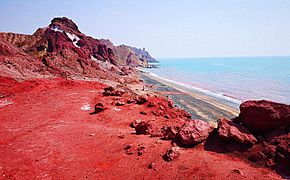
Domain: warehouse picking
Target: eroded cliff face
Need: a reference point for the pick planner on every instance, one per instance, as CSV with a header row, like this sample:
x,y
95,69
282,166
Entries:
x,y
62,50
127,55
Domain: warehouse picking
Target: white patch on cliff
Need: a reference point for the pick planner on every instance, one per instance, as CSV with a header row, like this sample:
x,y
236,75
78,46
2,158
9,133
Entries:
x,y
56,29
74,38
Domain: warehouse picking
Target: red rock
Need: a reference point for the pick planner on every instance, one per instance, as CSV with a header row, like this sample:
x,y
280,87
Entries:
x,y
172,154
140,150
121,136
264,115
194,132
141,100
129,101
166,116
119,103
168,132
170,103
231,131
99,107
110,91
152,166
135,123
282,155
143,113
65,22
144,128
151,104
129,149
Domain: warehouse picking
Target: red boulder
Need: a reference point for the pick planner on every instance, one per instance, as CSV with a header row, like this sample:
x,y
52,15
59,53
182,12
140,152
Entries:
x,y
194,132
264,115
144,128
231,131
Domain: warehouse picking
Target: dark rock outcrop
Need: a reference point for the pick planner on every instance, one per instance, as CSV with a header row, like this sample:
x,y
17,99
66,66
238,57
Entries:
x,y
264,115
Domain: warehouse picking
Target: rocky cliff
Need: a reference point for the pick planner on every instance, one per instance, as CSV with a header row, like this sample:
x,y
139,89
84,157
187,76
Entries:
x,y
127,55
62,50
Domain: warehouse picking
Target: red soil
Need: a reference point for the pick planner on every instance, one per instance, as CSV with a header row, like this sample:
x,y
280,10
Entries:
x,y
46,135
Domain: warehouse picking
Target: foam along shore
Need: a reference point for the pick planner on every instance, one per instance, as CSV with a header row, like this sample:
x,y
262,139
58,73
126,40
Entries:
x,y
200,103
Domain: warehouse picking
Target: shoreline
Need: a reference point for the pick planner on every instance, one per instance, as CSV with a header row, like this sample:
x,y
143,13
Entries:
x,y
201,104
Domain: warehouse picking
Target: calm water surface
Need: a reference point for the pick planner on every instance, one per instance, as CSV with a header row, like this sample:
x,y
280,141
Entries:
x,y
239,77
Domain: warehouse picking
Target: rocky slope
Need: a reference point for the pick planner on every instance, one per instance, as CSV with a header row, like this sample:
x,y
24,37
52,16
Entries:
x,y
72,129
62,50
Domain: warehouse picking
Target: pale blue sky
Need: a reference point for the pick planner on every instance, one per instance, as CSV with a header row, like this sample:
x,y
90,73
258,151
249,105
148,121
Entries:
x,y
167,28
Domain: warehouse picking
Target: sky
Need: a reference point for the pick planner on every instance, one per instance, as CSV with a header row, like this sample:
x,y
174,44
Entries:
x,y
166,28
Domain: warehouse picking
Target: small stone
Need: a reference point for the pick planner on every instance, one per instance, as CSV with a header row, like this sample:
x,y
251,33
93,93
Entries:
x,y
237,171
129,149
152,166
129,152
151,104
166,116
99,107
129,101
172,154
141,100
121,136
140,150
135,123
168,132
120,103
144,113
129,146
110,88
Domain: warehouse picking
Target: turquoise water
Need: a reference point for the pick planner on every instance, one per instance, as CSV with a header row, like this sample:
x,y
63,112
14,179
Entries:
x,y
241,78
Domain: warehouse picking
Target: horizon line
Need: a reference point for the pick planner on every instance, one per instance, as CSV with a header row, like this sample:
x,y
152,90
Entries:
x,y
236,56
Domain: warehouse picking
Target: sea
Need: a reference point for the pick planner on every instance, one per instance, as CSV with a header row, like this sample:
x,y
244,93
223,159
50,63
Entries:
x,y
235,78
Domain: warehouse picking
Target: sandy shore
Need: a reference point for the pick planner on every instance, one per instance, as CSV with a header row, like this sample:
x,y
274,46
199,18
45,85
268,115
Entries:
x,y
200,105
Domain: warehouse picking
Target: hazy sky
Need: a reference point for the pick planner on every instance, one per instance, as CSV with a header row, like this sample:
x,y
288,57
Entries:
x,y
167,28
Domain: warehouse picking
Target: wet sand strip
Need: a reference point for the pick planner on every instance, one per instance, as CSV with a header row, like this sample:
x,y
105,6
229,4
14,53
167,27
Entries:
x,y
198,104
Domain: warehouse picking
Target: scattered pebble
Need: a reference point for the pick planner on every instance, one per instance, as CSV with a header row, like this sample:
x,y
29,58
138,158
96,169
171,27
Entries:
x,y
140,150
129,146
171,154
144,113
120,103
237,171
135,123
121,136
99,107
152,166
